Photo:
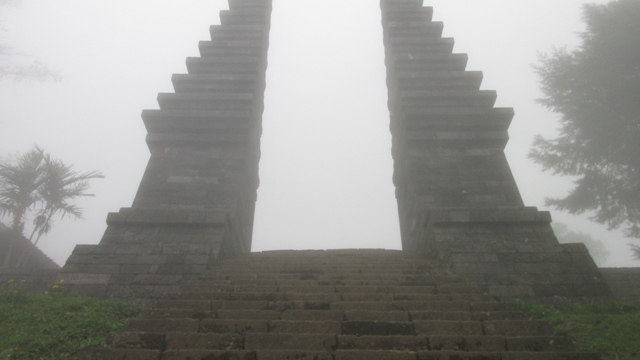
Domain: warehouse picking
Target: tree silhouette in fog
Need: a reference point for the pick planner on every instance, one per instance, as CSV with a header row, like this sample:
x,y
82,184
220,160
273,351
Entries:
x,y
39,186
595,89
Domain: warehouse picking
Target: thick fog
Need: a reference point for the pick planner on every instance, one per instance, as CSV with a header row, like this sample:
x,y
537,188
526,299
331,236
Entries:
x,y
326,148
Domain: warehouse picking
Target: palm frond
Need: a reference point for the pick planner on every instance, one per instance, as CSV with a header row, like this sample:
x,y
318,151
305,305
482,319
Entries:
x,y
36,182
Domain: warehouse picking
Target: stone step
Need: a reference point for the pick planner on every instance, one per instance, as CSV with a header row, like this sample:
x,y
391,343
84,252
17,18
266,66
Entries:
x,y
399,280
364,266
290,341
118,354
349,259
466,315
204,341
295,314
374,354
248,314
373,315
448,327
335,315
240,277
303,263
163,325
208,354
544,355
384,342
407,62
305,327
176,314
330,256
341,354
140,340
222,326
361,328
236,341
257,287
246,355
353,303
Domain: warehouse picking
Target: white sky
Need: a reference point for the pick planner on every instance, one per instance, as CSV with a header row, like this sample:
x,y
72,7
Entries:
x,y
326,160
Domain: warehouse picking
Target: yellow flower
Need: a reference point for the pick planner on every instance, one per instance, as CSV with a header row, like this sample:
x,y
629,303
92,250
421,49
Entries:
x,y
10,281
55,286
61,281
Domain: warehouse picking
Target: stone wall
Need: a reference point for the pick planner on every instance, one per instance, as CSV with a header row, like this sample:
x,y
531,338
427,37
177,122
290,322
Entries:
x,y
513,253
624,282
24,251
195,204
147,253
457,198
447,138
34,281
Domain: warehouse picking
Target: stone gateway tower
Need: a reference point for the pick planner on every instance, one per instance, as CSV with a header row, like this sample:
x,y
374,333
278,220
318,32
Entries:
x,y
457,199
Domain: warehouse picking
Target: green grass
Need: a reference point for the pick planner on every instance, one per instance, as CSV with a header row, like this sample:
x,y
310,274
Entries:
x,y
611,328
56,326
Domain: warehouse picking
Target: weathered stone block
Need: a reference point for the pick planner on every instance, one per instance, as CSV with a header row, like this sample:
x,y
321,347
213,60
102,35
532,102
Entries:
x,y
360,328
85,279
92,268
518,291
208,341
459,355
233,326
294,355
379,342
467,343
374,354
120,354
155,279
316,327
440,327
163,325
248,314
137,340
135,268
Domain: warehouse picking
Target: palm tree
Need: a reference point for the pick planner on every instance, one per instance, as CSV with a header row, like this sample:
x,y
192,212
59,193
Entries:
x,y
61,184
19,183
35,182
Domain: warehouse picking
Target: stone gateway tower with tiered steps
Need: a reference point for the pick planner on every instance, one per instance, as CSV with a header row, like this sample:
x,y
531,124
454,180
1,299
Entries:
x,y
458,203
470,246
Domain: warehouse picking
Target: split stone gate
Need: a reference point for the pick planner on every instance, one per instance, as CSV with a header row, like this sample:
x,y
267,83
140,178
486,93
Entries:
x,y
457,198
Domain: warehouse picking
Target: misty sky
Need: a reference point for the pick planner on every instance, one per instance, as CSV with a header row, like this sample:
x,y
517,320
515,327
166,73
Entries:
x,y
326,148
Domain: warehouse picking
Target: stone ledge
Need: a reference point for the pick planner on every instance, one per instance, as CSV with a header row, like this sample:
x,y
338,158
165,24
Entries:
x,y
204,217
485,216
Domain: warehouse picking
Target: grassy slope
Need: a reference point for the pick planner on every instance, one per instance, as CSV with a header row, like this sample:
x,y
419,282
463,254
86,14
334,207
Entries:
x,y
56,326
610,328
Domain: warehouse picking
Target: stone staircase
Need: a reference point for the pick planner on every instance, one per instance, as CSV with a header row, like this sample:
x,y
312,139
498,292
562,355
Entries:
x,y
334,305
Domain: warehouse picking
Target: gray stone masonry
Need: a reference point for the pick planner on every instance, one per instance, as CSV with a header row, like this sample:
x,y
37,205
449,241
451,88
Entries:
x,y
30,256
624,282
448,139
147,253
29,280
196,200
335,305
513,254
457,199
